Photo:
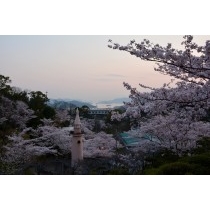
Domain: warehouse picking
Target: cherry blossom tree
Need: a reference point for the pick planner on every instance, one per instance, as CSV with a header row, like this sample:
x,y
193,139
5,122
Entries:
x,y
62,117
16,113
48,139
178,116
99,145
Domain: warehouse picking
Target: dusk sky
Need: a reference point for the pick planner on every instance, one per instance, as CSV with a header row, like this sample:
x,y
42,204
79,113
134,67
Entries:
x,y
79,67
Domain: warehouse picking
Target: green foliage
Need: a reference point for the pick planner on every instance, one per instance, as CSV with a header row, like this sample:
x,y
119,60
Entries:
x,y
34,122
201,163
176,168
38,103
30,171
150,171
119,171
162,157
48,112
20,96
5,88
203,146
14,94
84,110
168,163
9,168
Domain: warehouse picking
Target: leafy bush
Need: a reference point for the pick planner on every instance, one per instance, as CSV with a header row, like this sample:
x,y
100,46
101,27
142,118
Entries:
x,y
162,157
176,168
203,146
119,171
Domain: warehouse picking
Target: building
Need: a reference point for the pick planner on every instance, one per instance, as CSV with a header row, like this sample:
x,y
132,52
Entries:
x,y
77,142
99,111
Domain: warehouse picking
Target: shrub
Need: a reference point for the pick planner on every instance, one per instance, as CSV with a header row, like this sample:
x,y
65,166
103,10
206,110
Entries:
x,y
176,168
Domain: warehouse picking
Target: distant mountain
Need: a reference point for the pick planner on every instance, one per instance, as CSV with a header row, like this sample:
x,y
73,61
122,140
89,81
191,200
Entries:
x,y
81,103
65,103
115,101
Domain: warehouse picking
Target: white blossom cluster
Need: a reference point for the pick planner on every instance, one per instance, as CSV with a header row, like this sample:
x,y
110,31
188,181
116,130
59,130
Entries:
x,y
177,116
100,144
50,140
16,113
57,141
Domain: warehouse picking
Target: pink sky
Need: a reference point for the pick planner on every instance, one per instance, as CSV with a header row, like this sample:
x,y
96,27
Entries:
x,y
79,67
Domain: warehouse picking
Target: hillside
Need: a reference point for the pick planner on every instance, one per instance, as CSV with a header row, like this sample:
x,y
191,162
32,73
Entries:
x,y
65,103
115,101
